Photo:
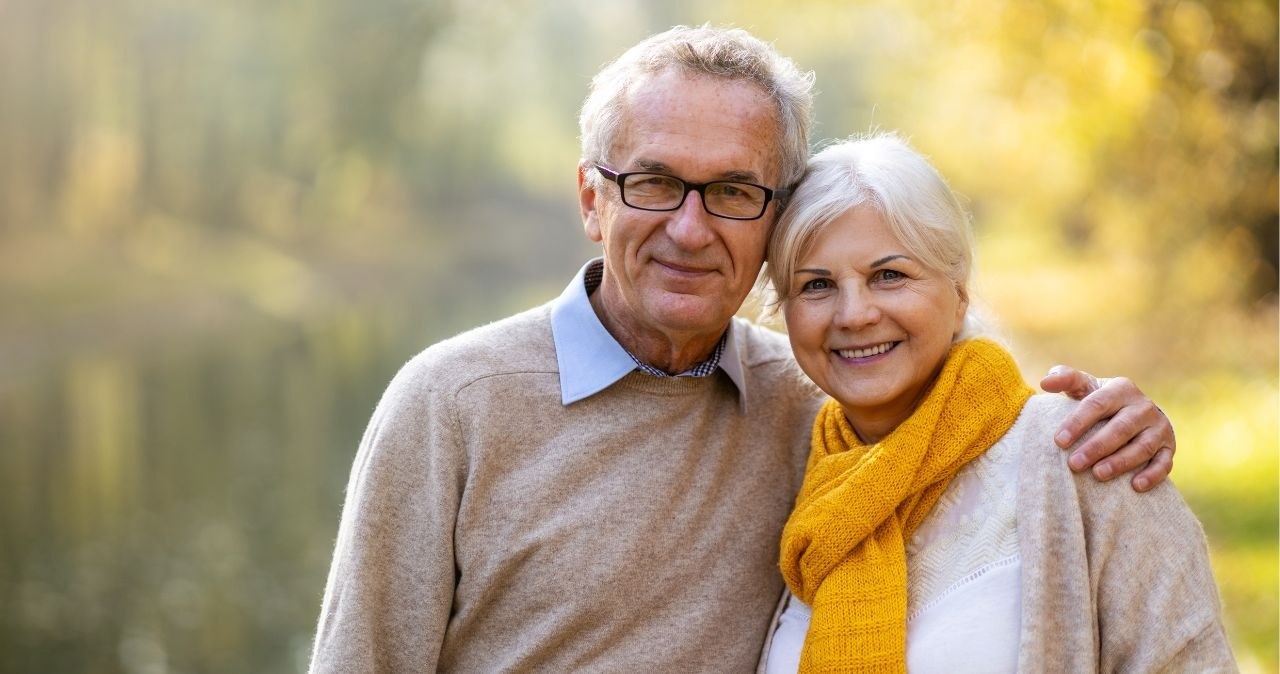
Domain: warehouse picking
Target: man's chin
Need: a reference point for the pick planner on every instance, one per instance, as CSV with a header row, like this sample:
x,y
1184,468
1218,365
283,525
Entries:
x,y
697,316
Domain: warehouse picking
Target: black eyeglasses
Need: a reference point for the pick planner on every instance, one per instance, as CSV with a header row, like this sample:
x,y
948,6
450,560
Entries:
x,y
723,198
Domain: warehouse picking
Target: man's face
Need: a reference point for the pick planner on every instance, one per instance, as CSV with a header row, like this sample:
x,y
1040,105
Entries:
x,y
682,274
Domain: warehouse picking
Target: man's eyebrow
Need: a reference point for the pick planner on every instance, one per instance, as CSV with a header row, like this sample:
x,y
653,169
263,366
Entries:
x,y
741,176
650,165
888,258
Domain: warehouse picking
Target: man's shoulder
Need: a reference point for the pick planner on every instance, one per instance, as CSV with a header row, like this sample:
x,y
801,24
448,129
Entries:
x,y
515,344
760,345
767,359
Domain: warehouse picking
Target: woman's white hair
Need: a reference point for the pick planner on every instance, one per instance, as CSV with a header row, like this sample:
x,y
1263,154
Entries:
x,y
726,53
880,171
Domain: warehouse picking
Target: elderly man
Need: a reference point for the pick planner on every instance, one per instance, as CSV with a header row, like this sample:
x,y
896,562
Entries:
x,y
599,483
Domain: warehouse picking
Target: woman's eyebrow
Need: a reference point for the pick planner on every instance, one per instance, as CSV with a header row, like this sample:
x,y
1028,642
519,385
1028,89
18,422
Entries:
x,y
888,258
816,272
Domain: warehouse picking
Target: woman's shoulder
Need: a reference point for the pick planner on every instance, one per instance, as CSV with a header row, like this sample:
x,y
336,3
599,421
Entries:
x,y
1031,436
1048,484
1044,412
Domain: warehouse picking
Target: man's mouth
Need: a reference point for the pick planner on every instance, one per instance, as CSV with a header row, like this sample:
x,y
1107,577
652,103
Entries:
x,y
681,269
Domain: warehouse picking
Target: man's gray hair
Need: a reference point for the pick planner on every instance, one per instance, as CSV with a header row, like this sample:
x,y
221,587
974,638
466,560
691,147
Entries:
x,y
883,172
727,53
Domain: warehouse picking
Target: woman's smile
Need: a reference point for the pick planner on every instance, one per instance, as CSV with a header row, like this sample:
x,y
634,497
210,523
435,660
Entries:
x,y
865,354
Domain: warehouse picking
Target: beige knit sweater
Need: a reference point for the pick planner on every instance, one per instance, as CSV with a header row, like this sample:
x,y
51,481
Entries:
x,y
489,528
1113,580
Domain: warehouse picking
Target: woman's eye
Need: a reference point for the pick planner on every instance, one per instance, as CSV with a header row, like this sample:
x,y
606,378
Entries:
x,y
890,275
816,284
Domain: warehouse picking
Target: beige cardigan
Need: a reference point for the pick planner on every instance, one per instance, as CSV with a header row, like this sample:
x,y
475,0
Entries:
x,y
1112,580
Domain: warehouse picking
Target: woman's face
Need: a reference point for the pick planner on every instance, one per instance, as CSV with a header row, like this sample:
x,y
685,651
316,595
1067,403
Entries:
x,y
868,322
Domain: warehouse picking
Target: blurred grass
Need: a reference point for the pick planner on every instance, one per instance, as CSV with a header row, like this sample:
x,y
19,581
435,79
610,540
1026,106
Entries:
x,y
1227,469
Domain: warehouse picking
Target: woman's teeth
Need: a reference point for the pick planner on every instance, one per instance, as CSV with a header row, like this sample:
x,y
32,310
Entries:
x,y
863,353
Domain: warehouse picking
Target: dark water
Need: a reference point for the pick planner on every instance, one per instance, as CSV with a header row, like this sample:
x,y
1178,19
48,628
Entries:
x,y
173,508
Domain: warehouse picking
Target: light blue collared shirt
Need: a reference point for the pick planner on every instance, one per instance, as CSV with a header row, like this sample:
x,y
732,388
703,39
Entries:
x,y
591,360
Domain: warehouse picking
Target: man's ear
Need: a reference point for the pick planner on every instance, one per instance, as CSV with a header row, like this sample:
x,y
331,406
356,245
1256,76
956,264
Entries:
x,y
587,205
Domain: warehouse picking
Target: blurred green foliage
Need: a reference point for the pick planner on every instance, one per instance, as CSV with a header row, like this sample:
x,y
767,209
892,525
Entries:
x,y
224,225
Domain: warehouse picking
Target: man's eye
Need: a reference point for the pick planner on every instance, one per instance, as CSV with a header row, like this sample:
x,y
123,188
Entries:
x,y
730,191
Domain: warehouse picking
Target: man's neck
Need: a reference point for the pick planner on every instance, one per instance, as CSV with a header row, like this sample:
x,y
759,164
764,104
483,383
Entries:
x,y
671,353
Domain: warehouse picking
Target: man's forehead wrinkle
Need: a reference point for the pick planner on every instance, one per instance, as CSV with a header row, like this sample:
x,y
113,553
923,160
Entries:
x,y
644,164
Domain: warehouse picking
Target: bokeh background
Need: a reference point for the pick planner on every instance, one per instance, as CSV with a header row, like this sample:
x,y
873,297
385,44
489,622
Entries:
x,y
224,225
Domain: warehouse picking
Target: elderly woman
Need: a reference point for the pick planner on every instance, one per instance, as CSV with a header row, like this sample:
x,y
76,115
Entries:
x,y
937,529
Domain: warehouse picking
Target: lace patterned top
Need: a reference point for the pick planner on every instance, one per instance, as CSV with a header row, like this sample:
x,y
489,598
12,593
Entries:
x,y
972,529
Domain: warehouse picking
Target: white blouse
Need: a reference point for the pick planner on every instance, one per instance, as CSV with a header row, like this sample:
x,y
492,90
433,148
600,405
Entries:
x,y
963,579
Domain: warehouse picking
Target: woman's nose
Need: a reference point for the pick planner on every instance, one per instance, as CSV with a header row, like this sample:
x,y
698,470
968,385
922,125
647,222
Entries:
x,y
857,308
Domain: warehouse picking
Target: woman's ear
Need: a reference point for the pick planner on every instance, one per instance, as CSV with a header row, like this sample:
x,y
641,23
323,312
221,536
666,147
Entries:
x,y
962,309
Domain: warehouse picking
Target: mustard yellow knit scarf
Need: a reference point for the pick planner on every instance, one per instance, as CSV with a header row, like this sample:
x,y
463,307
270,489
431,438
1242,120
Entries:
x,y
844,546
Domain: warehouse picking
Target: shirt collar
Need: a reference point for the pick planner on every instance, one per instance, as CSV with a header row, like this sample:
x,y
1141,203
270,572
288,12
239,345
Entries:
x,y
591,360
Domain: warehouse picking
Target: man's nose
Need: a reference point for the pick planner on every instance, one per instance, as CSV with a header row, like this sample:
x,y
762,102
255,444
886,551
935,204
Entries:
x,y
690,225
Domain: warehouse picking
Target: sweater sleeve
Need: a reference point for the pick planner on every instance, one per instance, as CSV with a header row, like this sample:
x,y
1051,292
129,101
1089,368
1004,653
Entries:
x,y
1158,607
391,583
1114,580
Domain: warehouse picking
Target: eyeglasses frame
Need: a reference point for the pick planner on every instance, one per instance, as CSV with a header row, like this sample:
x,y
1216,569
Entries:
x,y
700,188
